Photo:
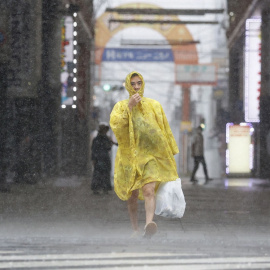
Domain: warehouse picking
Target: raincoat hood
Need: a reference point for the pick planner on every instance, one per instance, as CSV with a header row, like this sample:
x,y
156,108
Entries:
x,y
129,87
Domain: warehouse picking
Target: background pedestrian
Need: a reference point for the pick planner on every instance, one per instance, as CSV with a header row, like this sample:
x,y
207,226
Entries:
x,y
101,146
197,152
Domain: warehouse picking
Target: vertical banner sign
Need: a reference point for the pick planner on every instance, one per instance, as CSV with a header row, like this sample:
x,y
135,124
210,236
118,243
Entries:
x,y
252,70
24,34
240,150
67,75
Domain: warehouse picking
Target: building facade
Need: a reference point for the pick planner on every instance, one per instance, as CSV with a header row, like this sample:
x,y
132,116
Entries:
x,y
32,44
249,39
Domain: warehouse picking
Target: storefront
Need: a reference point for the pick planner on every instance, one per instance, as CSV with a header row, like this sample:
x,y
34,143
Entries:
x,y
249,82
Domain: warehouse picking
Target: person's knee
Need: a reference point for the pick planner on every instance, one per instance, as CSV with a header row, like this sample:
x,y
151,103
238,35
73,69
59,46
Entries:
x,y
149,191
134,197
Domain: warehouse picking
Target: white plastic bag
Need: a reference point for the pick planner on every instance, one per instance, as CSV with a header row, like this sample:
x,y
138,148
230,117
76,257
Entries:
x,y
170,200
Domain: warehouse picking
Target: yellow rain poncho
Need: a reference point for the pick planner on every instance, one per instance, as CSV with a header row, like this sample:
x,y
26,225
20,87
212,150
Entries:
x,y
146,145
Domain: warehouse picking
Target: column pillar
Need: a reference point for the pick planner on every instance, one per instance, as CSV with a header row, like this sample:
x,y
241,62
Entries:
x,y
185,103
264,137
3,95
184,134
50,99
235,81
3,127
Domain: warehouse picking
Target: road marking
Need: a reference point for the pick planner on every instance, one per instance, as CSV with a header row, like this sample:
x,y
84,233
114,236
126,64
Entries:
x,y
130,260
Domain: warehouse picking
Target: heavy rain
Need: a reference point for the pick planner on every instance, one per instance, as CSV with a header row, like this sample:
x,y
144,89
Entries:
x,y
134,134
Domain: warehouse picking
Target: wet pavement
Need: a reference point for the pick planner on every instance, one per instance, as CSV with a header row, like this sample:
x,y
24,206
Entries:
x,y
60,224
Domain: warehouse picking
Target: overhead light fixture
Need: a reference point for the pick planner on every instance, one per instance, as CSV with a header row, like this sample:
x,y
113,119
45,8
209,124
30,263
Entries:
x,y
146,42
160,22
157,11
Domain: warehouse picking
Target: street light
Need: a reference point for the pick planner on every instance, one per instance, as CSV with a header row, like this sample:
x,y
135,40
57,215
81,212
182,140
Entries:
x,y
106,87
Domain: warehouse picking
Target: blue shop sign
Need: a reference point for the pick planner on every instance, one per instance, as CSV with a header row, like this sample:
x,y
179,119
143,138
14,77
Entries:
x,y
137,55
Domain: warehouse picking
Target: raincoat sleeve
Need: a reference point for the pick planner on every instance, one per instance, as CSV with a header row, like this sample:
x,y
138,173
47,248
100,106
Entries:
x,y
163,122
119,122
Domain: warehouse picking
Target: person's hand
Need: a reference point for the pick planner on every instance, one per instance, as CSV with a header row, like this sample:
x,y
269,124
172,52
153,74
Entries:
x,y
134,100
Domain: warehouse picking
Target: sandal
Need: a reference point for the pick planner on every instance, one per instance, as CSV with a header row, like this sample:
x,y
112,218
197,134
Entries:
x,y
150,229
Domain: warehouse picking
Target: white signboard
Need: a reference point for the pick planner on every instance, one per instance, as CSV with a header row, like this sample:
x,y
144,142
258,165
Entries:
x,y
252,70
239,155
196,74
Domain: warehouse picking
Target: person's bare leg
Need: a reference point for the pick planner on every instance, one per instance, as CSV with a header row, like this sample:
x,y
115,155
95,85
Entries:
x,y
133,210
150,201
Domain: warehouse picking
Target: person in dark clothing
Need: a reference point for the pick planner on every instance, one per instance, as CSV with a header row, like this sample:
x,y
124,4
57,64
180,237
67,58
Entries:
x,y
101,147
198,155
25,162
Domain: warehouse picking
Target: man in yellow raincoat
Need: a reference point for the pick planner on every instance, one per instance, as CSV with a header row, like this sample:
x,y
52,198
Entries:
x,y
146,149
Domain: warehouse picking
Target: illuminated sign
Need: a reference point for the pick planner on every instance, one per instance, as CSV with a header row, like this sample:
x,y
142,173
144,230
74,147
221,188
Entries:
x,y
240,148
252,70
68,61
